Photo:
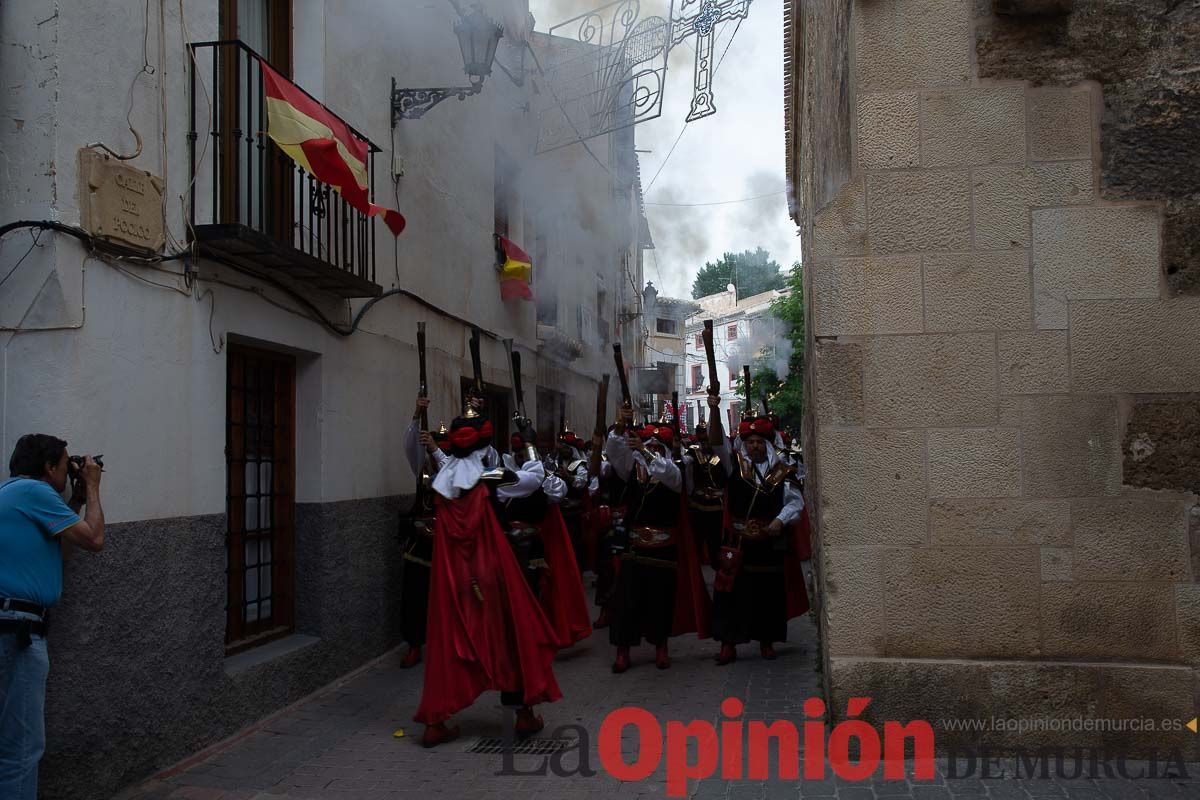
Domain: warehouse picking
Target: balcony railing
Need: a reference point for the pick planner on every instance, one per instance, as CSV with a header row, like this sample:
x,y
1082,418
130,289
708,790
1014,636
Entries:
x,y
266,214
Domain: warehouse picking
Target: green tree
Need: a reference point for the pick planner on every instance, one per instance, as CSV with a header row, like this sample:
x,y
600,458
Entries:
x,y
752,272
785,392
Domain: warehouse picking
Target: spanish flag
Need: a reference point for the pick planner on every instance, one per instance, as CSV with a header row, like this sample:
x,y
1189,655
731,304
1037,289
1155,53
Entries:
x,y
322,144
516,270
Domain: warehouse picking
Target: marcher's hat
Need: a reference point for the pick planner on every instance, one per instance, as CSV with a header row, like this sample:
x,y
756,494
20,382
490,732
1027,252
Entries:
x,y
469,433
441,438
663,434
569,438
757,426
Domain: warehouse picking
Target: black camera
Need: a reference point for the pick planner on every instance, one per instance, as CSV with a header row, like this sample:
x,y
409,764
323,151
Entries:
x,y
75,463
75,471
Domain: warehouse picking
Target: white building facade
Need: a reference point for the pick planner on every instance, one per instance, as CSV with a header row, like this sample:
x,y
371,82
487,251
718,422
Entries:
x,y
742,330
666,322
250,383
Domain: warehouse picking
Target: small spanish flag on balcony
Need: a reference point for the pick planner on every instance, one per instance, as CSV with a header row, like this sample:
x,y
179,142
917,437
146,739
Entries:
x,y
516,270
317,140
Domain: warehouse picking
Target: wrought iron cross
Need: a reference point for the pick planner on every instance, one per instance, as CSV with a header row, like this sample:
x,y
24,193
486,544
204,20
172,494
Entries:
x,y
702,23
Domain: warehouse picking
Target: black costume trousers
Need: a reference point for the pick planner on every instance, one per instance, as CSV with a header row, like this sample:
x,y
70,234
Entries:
x,y
606,570
414,589
573,519
643,604
707,527
756,609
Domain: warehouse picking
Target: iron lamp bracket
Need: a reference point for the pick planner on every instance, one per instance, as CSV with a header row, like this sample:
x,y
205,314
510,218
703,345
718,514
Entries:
x,y
413,103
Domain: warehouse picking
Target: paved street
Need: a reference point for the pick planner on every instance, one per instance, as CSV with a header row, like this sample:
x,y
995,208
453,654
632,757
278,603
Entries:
x,y
340,742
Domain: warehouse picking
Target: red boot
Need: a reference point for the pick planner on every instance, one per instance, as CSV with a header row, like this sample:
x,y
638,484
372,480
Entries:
x,y
528,723
412,657
602,620
768,652
438,734
622,662
661,659
727,655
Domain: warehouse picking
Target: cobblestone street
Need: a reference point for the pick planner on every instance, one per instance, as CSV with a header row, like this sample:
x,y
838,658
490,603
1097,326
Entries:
x,y
341,742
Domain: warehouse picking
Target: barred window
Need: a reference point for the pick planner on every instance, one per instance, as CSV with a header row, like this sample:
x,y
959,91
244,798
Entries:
x,y
260,496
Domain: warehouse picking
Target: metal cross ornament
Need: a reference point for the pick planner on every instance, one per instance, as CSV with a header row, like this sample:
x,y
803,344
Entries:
x,y
700,18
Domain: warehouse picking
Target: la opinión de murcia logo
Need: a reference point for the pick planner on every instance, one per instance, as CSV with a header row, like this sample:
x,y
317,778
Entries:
x,y
736,749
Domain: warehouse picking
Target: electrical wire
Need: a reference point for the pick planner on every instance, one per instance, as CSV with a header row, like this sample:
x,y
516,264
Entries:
x,y
558,102
668,158
136,277
657,271
96,244
217,346
685,124
101,248
317,315
719,202
8,275
146,69
185,37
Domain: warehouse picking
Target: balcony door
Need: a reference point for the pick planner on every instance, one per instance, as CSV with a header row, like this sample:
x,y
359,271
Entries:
x,y
256,178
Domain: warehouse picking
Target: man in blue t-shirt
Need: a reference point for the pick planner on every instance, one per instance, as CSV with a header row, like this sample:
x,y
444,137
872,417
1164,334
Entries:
x,y
34,522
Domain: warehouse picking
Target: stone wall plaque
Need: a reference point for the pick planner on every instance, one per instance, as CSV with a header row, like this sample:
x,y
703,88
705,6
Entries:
x,y
120,202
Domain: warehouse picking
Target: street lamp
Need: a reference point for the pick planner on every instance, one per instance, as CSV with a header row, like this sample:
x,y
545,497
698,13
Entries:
x,y
478,36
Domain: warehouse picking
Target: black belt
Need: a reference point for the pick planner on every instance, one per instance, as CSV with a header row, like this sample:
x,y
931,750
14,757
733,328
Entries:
x,y
24,606
24,629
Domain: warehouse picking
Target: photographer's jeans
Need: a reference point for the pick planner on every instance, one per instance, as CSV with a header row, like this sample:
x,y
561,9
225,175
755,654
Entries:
x,y
23,672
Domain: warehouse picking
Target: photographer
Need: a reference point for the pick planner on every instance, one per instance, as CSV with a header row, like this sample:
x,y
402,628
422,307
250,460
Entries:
x,y
34,522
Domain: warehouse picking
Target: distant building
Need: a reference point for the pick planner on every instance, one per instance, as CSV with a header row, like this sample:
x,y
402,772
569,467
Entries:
x,y
742,330
666,320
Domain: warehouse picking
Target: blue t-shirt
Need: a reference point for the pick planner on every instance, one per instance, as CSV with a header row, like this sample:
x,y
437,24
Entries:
x,y
32,515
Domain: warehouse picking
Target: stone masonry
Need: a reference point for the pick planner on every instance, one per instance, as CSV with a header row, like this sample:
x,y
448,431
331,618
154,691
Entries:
x,y
1005,384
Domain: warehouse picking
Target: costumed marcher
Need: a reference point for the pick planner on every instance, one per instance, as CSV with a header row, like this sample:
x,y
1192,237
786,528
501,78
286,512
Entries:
x,y
570,464
539,536
795,457
487,630
612,504
417,536
706,494
660,590
759,584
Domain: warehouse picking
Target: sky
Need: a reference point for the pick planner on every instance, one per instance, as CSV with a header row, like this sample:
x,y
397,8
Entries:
x,y
734,154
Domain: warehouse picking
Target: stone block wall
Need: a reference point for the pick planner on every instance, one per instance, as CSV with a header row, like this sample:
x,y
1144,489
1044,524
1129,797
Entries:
x,y
1006,395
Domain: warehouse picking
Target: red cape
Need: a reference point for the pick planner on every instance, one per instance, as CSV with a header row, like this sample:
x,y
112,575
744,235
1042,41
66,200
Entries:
x,y
693,606
563,599
502,643
804,532
793,574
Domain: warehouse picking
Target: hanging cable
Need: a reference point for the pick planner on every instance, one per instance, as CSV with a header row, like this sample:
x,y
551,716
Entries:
x,y
8,275
719,202
685,124
98,245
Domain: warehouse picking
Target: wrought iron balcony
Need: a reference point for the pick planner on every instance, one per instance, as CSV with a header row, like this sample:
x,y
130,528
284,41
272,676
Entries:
x,y
553,342
266,215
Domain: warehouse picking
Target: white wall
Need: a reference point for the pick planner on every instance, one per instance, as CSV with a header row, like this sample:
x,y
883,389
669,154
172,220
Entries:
x,y
140,381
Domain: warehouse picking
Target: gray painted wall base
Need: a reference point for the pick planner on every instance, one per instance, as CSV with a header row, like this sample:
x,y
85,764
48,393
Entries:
x,y
138,676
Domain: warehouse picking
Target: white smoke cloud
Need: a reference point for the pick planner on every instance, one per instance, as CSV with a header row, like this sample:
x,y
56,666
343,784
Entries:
x,y
735,154
767,339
